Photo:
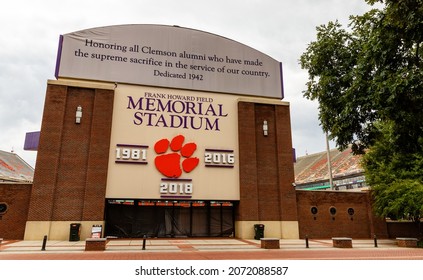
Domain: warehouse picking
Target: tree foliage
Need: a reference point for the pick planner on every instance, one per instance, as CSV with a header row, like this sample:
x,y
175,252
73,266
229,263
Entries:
x,y
396,178
370,73
369,84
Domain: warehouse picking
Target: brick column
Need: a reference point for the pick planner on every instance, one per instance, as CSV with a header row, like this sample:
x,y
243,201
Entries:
x,y
71,170
266,169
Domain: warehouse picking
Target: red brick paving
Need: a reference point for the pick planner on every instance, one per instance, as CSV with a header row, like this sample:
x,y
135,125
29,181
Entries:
x,y
190,253
376,254
344,254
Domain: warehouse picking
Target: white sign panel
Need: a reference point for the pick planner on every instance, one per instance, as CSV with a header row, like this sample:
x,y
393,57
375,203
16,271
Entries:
x,y
173,144
168,56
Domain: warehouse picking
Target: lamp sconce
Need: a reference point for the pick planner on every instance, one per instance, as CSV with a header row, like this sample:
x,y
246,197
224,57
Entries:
x,y
265,128
78,114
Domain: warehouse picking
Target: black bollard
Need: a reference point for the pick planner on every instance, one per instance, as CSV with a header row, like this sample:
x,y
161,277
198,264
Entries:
x,y
143,242
43,248
306,241
375,239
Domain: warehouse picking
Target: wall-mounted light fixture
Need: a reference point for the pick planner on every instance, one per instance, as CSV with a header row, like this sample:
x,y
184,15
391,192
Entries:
x,y
78,114
314,212
265,128
332,211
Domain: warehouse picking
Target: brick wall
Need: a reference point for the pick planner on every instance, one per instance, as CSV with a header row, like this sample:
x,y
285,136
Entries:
x,y
16,196
405,229
324,224
71,169
266,164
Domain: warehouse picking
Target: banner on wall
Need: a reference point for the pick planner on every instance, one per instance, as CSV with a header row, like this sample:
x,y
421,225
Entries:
x,y
168,56
173,144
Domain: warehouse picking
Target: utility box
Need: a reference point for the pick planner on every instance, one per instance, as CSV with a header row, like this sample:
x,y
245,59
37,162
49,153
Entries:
x,y
75,232
258,231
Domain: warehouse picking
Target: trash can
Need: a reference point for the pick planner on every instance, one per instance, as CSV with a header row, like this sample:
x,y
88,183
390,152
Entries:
x,y
74,233
258,231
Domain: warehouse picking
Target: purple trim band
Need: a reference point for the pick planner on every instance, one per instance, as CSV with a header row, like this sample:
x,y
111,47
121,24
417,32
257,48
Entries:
x,y
176,196
59,56
281,73
219,150
176,180
131,162
131,145
220,166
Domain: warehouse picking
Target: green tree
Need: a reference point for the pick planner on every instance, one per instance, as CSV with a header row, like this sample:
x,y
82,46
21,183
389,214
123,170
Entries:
x,y
369,84
368,73
396,178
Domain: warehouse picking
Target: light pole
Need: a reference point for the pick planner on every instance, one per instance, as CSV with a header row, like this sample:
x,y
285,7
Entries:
x,y
329,161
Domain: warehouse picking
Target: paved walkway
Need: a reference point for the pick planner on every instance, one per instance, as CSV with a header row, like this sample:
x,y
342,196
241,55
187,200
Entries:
x,y
206,249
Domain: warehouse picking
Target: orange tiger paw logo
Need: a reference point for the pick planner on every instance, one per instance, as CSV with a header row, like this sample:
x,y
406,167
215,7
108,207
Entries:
x,y
172,163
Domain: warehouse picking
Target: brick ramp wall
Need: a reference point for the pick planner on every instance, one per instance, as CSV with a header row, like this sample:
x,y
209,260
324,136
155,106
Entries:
x,y
16,196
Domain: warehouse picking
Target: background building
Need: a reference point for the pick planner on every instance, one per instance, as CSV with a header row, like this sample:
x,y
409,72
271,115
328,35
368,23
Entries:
x,y
15,190
14,169
311,171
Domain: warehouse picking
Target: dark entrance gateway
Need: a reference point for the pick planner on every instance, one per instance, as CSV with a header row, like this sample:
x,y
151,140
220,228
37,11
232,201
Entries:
x,y
129,218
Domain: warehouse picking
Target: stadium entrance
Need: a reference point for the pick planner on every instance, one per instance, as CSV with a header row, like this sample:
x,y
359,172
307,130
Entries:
x,y
157,218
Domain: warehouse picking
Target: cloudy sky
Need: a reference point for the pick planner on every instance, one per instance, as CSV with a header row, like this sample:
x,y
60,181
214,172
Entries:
x,y
280,28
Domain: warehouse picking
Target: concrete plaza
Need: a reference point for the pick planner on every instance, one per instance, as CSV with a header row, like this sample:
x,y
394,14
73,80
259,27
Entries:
x,y
207,249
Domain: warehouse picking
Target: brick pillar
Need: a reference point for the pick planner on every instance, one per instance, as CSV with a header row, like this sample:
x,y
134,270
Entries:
x,y
47,165
72,161
248,205
266,163
266,166
285,159
98,158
